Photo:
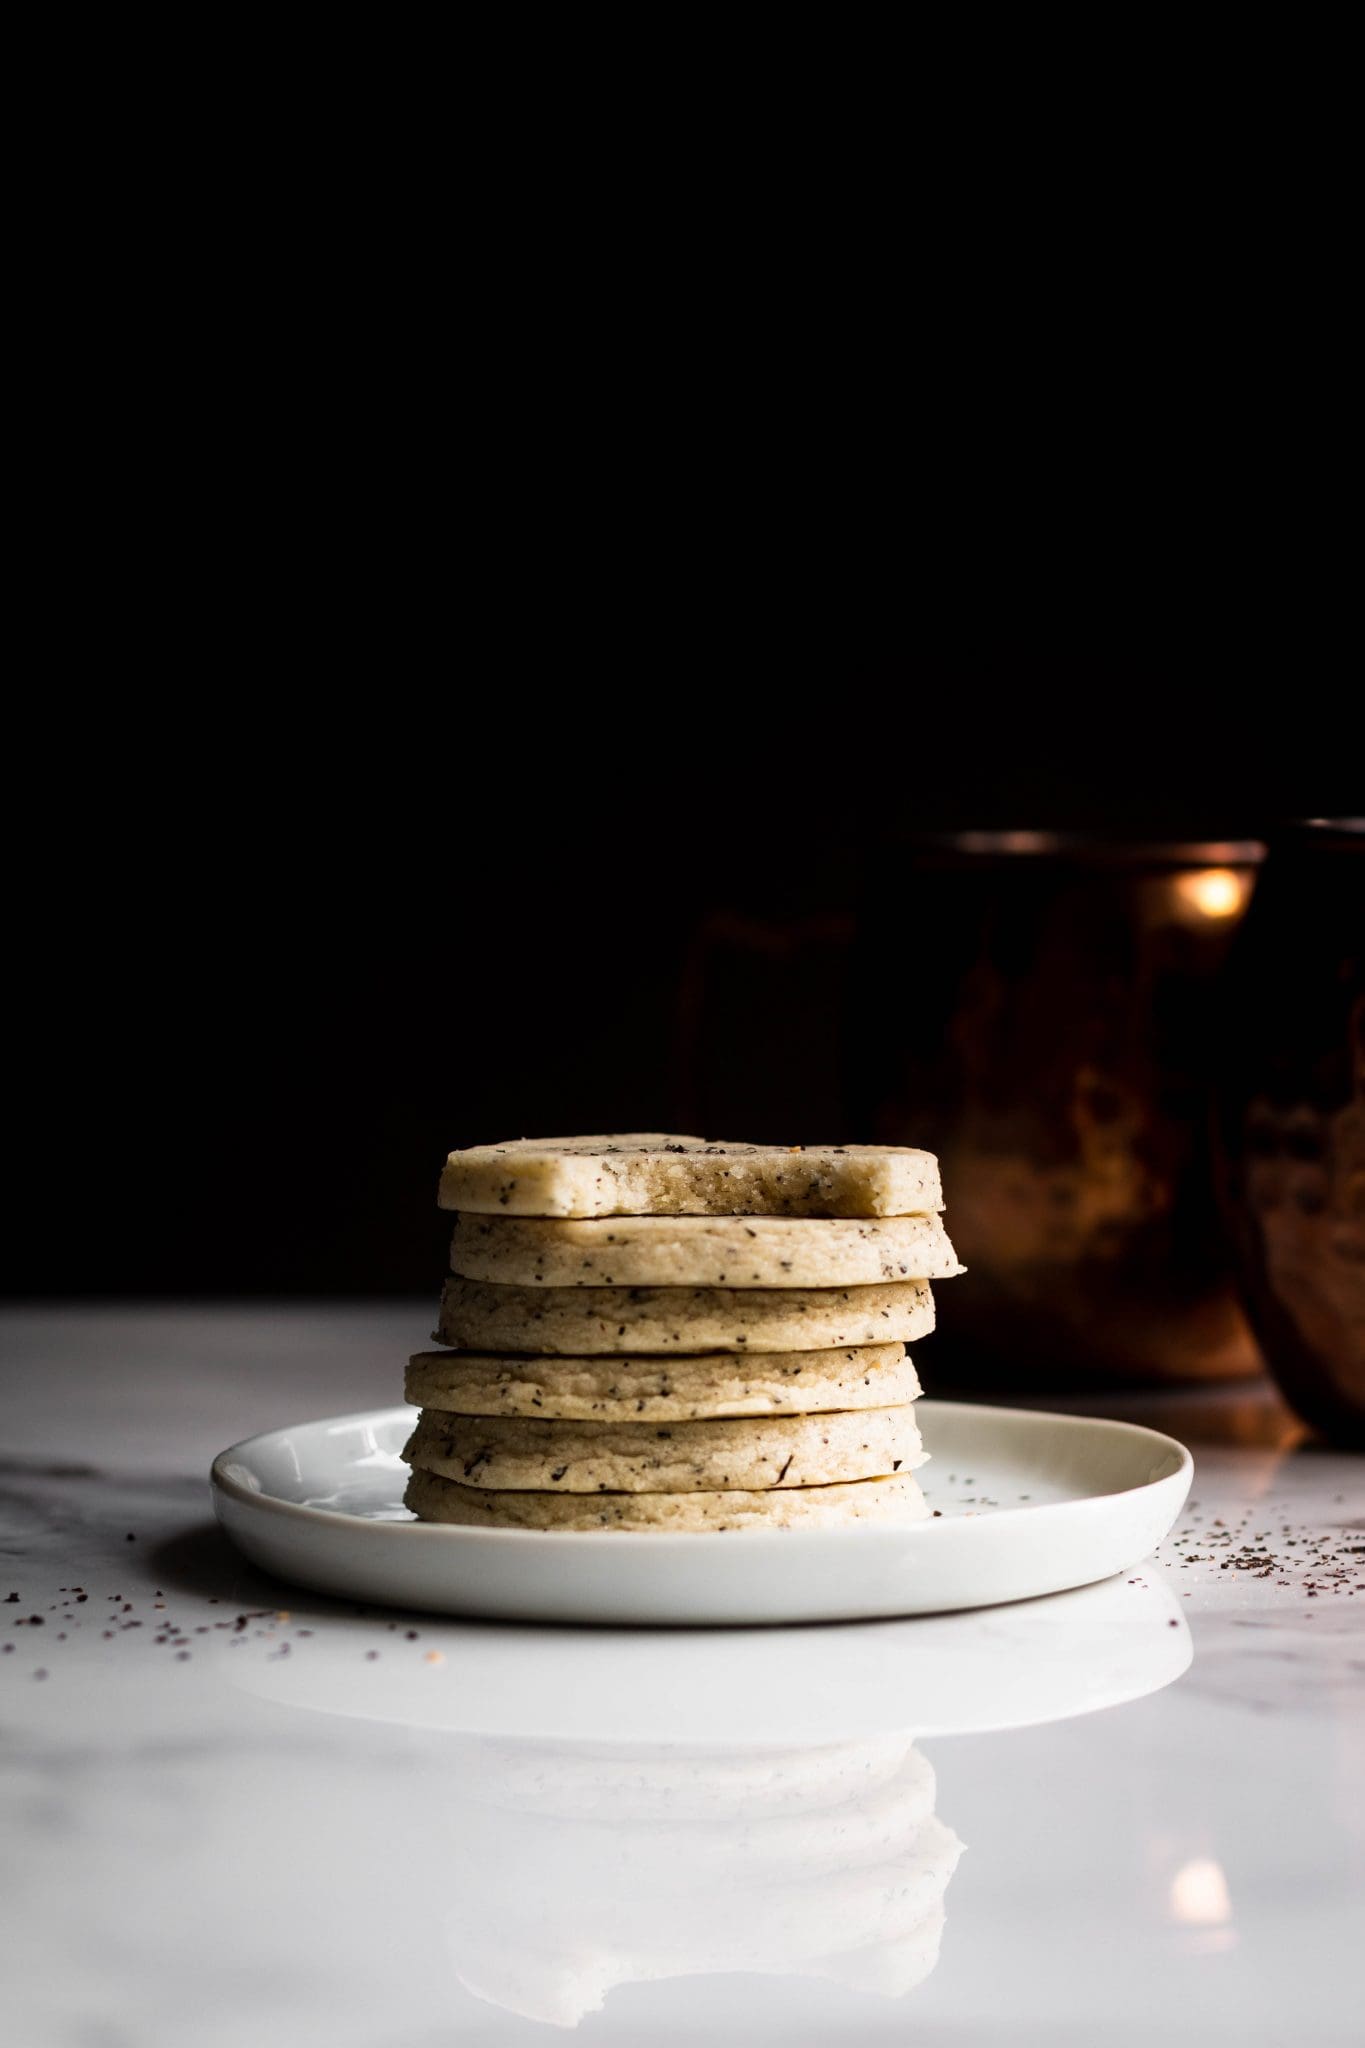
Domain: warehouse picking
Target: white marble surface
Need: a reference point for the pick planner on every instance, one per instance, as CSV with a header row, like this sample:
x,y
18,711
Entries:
x,y
312,1827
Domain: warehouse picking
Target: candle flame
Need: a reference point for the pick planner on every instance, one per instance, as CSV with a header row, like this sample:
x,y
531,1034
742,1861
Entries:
x,y
1214,892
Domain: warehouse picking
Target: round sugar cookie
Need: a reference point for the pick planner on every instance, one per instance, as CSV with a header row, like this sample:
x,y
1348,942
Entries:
x,y
701,1251
744,1454
687,1388
480,1315
434,1499
650,1174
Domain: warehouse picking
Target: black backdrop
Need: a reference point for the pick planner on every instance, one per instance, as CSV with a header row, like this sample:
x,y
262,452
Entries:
x,y
276,955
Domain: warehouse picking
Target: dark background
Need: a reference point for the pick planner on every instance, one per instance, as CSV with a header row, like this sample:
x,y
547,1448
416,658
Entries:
x,y
278,953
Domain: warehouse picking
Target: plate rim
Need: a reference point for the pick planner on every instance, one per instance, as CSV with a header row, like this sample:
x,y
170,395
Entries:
x,y
297,1511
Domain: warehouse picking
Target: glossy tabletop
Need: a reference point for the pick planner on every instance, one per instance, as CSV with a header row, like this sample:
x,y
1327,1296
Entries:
x,y
232,1812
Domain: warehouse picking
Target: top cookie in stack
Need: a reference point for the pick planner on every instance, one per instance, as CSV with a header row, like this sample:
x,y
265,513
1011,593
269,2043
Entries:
x,y
660,1332
650,1175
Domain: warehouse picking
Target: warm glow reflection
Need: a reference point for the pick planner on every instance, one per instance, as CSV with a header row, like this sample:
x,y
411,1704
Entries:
x,y
1199,1894
1214,892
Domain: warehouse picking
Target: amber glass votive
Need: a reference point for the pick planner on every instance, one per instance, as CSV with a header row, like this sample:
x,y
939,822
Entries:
x,y
1041,1011
1292,1119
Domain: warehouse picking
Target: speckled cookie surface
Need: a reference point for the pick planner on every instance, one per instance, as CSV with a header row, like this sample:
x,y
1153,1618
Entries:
x,y
434,1499
649,1173
701,1251
480,1315
743,1453
626,1389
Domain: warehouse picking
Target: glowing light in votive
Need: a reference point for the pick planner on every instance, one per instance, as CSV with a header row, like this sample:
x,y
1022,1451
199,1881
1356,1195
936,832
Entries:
x,y
1199,1894
1214,892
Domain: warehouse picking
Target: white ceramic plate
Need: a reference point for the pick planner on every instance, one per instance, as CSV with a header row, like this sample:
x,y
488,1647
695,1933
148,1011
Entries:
x,y
1029,1503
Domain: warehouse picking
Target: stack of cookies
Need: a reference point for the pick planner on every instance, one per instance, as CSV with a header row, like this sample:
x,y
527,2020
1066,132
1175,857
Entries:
x,y
650,1332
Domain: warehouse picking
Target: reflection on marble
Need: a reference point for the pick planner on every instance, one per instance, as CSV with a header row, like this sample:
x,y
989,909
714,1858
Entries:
x,y
786,1828
579,1868
720,1689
